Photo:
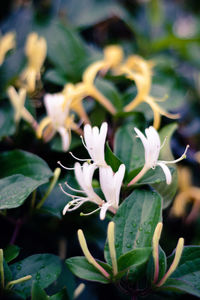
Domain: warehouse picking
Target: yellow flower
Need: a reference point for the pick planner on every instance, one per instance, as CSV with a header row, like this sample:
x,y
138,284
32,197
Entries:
x,y
187,193
36,50
74,94
7,42
140,71
17,100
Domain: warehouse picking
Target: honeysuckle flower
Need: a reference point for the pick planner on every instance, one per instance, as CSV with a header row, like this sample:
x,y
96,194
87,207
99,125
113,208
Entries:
x,y
90,89
7,42
152,148
17,100
187,193
36,50
95,142
111,184
140,71
58,120
84,175
74,94
176,260
113,55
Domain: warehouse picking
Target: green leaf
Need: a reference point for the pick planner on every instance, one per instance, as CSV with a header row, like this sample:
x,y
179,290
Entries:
x,y
135,222
65,50
134,258
7,124
128,148
167,191
25,163
44,269
178,285
15,189
11,252
111,159
80,267
110,92
23,172
55,77
37,293
62,295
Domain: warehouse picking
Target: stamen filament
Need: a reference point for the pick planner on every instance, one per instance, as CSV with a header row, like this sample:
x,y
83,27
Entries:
x,y
80,159
88,255
183,156
11,283
72,189
1,268
58,162
90,213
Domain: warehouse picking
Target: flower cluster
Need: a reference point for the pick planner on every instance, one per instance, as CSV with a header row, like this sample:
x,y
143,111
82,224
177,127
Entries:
x,y
110,182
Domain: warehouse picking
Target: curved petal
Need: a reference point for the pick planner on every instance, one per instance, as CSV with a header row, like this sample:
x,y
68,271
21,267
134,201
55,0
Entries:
x,y
65,138
104,209
167,172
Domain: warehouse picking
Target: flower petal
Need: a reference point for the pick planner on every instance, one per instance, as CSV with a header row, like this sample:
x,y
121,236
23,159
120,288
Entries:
x,y
167,172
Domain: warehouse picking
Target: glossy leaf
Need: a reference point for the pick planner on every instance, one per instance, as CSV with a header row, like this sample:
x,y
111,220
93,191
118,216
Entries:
x,y
44,269
135,222
37,293
11,252
7,124
128,148
134,258
111,159
80,267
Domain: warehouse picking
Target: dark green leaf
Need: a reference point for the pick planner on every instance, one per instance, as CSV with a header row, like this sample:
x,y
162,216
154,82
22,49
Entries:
x,y
128,148
44,269
25,163
62,295
178,285
80,267
15,189
37,293
111,159
162,266
135,222
11,252
134,258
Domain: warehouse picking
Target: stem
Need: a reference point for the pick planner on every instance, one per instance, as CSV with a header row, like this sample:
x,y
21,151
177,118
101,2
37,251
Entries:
x,y
16,231
139,175
1,268
50,188
33,199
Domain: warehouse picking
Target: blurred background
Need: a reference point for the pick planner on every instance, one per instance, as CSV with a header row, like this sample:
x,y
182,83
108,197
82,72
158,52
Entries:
x,y
167,32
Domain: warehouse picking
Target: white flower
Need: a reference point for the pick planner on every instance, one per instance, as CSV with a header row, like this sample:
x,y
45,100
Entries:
x,y
152,148
84,175
58,114
111,184
95,142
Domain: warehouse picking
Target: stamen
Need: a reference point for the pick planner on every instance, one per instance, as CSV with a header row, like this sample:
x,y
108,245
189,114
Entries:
x,y
80,159
74,190
83,142
59,163
183,156
88,214
72,196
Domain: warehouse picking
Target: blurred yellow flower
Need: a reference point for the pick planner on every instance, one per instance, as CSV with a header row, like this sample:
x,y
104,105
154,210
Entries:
x,y
187,193
140,71
17,100
73,95
36,50
7,42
